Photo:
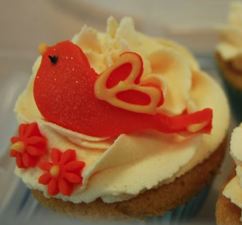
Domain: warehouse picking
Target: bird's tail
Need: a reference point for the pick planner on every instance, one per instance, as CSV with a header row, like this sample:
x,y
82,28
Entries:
x,y
186,123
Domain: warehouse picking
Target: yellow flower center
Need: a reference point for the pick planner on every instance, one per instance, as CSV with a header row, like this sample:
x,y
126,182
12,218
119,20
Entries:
x,y
54,170
18,146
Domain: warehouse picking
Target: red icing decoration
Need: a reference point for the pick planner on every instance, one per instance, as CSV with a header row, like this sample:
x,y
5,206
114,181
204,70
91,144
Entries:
x,y
64,94
128,68
119,74
34,145
62,173
122,72
134,96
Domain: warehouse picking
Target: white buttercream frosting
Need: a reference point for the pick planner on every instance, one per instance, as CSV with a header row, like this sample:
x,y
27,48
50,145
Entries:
x,y
122,168
230,46
233,190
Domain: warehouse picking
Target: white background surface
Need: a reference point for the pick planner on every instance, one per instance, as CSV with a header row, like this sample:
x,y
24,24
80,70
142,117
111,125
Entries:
x,y
25,23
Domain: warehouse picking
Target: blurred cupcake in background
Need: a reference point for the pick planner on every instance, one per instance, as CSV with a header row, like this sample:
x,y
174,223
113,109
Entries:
x,y
228,208
229,57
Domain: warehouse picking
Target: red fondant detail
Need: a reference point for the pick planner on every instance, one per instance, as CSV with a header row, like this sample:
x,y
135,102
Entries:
x,y
45,165
35,145
118,74
53,188
55,155
64,94
122,71
180,123
68,175
134,97
45,178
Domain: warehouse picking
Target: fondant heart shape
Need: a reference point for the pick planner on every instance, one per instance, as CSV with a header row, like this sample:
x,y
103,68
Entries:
x,y
64,92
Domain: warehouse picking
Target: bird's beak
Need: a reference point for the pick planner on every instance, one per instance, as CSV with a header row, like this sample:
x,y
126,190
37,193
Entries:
x,y
42,48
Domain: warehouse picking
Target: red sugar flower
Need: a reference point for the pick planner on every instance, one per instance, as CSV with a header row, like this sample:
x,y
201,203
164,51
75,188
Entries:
x,y
28,146
63,173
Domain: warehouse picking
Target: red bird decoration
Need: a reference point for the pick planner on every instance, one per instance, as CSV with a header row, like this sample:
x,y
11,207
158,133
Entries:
x,y
69,93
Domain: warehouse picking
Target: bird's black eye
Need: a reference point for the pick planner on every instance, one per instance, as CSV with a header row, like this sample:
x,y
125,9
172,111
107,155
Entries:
x,y
53,59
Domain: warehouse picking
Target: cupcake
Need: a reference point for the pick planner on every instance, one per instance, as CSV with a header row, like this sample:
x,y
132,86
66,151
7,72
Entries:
x,y
118,124
229,57
228,209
